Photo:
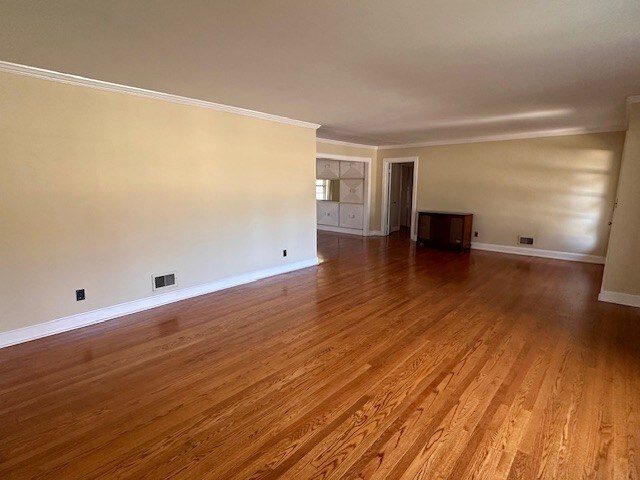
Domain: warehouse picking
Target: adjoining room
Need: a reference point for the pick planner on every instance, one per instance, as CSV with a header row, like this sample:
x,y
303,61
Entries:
x,y
319,240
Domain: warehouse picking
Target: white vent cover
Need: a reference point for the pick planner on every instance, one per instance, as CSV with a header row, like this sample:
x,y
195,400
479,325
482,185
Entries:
x,y
164,281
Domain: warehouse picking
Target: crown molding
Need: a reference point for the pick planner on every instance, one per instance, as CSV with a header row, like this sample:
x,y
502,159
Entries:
x,y
630,101
509,136
344,158
346,144
76,80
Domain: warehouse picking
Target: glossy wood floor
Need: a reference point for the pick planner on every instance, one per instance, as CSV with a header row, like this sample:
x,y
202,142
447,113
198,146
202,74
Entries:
x,y
384,362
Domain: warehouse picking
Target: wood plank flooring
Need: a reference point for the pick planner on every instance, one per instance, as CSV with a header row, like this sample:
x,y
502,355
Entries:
x,y
386,362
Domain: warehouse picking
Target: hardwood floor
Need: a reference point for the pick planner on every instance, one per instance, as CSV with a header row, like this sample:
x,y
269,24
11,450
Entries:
x,y
386,361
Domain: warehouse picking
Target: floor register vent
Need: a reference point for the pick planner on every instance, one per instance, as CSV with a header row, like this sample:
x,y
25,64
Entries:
x,y
163,281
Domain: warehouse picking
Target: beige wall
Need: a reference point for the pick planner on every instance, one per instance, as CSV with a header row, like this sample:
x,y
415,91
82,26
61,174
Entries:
x,y
559,190
100,190
622,269
369,152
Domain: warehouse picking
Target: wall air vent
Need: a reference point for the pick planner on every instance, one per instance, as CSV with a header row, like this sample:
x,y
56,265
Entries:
x,y
525,240
165,280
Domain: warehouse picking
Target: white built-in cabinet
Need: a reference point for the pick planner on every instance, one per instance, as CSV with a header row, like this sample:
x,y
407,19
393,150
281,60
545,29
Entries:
x,y
348,213
328,213
327,169
352,191
351,169
351,215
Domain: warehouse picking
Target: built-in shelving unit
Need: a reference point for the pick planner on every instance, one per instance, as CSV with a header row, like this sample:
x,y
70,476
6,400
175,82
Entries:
x,y
343,195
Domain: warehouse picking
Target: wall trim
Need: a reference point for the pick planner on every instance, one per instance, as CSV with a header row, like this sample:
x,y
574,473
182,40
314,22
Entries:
x,y
509,136
344,158
76,80
537,252
620,298
346,144
349,231
631,100
92,317
560,132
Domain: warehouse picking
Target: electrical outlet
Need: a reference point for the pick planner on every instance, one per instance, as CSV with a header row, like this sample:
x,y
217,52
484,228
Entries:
x,y
475,234
79,295
284,253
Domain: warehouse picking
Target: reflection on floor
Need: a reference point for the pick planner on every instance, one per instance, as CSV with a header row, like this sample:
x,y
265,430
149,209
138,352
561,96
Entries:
x,y
386,361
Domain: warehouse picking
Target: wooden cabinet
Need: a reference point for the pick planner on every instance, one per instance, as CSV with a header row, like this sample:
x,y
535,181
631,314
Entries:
x,y
450,230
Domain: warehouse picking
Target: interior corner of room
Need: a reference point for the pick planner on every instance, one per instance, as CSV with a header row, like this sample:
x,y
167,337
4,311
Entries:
x,y
558,192
569,197
319,239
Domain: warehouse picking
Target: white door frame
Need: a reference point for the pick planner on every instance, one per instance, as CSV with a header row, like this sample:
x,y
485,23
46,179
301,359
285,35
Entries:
x,y
386,184
367,176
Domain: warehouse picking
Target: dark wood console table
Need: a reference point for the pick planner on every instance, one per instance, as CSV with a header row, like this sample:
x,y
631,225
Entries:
x,y
450,230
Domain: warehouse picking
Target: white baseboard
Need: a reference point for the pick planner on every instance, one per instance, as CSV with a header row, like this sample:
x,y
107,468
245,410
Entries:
x,y
80,320
536,252
350,231
620,298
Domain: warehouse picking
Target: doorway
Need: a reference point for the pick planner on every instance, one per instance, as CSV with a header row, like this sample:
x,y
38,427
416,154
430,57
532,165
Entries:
x,y
399,195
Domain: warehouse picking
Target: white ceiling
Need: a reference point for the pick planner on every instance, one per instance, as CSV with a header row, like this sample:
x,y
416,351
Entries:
x,y
371,71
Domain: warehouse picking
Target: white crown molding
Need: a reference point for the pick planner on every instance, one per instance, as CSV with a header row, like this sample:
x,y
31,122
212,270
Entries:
x,y
509,136
80,320
633,99
620,298
346,144
76,80
345,158
536,252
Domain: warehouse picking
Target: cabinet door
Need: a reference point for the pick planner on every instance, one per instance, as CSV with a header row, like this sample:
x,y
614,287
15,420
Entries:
x,y
440,230
352,191
327,213
351,169
456,231
351,215
327,169
424,227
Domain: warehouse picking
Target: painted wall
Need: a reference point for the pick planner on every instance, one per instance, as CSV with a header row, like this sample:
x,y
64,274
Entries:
x,y
622,268
370,152
101,190
560,190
